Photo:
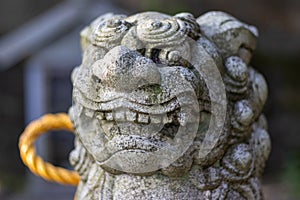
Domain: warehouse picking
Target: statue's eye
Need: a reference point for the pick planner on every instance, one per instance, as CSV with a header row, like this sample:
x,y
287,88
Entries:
x,y
141,51
155,55
96,79
173,56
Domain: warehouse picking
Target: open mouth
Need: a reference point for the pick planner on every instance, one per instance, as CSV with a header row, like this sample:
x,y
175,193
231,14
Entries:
x,y
132,126
139,126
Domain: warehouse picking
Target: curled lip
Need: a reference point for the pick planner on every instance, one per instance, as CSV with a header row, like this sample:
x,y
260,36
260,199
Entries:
x,y
152,109
123,102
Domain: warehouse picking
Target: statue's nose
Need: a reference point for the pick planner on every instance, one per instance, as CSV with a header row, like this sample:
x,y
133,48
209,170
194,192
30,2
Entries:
x,y
126,70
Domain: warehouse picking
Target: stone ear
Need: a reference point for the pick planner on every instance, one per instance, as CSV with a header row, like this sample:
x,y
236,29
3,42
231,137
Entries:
x,y
222,28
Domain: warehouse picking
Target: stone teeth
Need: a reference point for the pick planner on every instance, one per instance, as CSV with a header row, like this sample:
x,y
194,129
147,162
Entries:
x,y
100,115
89,113
120,115
109,116
166,119
143,118
130,116
156,119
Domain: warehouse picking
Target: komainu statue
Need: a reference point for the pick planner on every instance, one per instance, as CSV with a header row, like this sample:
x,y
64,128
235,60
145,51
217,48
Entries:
x,y
169,107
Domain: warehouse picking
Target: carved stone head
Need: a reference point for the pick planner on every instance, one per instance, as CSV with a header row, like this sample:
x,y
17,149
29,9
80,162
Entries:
x,y
167,94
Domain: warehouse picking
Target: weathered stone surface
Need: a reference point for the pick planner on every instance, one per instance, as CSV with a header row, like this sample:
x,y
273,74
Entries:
x,y
168,107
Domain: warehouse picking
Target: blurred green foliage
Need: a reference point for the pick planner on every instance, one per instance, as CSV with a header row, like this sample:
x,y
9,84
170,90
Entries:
x,y
291,174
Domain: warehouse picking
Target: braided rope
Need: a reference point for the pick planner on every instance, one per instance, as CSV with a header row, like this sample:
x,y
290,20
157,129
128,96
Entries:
x,y
34,162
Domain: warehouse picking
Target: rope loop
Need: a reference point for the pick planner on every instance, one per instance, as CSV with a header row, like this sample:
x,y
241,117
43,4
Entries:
x,y
35,163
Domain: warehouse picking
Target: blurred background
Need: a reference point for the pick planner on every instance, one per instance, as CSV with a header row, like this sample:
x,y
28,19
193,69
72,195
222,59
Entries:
x,y
39,46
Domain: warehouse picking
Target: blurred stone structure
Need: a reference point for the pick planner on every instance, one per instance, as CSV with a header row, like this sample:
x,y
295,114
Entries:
x,y
48,47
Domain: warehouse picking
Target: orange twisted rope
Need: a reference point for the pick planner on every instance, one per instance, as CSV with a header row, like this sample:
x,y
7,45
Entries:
x,y
34,162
